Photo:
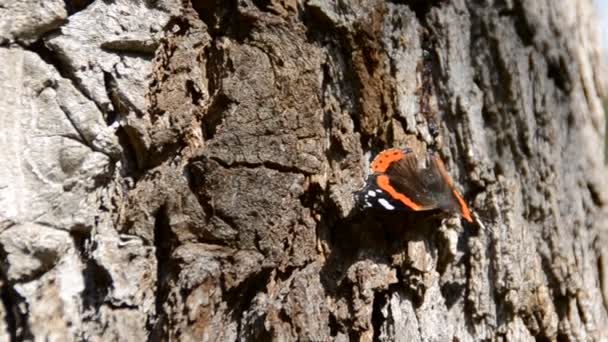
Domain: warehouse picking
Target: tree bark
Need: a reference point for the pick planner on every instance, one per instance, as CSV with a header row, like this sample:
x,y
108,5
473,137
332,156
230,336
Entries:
x,y
184,170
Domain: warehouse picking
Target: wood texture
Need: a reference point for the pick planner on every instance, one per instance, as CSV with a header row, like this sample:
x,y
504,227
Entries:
x,y
176,170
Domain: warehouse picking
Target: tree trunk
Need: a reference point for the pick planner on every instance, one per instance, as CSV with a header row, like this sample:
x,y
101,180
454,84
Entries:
x,y
185,170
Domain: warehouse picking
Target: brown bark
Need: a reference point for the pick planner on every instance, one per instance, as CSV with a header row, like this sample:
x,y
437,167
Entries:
x,y
184,171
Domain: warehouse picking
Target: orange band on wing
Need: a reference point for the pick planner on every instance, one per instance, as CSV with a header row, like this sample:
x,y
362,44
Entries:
x,y
466,212
464,209
384,184
385,158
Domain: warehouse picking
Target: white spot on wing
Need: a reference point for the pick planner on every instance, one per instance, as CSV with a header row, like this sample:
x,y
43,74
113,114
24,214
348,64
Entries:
x,y
371,193
385,204
378,190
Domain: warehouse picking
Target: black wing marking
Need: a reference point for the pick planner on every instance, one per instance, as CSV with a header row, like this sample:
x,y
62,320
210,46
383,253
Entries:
x,y
371,196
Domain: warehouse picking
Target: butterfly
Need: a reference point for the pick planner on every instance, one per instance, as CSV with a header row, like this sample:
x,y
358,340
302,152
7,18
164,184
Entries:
x,y
402,179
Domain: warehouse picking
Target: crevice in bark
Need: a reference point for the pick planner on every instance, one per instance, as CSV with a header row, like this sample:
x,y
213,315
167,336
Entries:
x,y
263,5
111,90
266,164
165,268
378,319
83,140
557,70
421,7
334,327
524,29
225,18
11,310
121,306
208,238
562,337
285,318
213,13
74,6
39,47
315,199
135,48
81,241
196,95
138,145
533,319
239,299
559,299
541,338
501,87
131,158
215,67
214,115
179,26
165,271
341,255
157,154
605,149
16,319
453,292
122,104
97,284
600,264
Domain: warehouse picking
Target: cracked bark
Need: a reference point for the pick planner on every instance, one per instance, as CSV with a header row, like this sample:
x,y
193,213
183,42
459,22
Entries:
x,y
191,177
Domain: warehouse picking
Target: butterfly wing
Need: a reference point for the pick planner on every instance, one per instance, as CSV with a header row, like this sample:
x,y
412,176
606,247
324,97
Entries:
x,y
373,196
402,179
454,201
394,184
414,182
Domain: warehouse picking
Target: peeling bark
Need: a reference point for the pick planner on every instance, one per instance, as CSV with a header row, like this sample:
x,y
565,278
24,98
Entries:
x,y
184,170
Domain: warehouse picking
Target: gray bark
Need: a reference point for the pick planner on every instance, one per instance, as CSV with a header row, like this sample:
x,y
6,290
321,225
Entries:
x,y
184,170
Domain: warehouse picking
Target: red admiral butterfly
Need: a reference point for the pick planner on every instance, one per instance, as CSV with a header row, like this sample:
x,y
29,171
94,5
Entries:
x,y
400,179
